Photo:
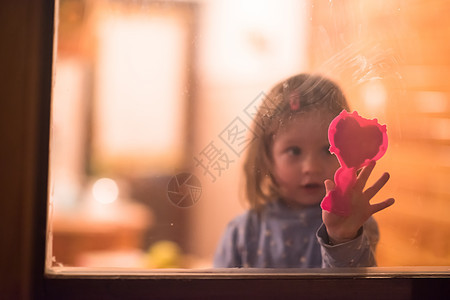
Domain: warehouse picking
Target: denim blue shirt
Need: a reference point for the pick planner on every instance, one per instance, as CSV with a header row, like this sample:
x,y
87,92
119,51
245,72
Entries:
x,y
282,237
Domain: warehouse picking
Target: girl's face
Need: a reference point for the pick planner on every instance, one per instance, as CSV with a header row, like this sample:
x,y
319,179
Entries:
x,y
301,158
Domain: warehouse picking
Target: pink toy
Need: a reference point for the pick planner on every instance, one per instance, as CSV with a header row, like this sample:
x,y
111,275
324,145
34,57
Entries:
x,y
356,141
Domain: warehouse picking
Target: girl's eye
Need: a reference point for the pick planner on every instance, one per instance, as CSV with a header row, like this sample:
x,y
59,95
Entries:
x,y
294,151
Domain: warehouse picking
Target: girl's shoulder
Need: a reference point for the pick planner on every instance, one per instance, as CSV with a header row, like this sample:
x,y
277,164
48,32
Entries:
x,y
248,217
253,217
248,222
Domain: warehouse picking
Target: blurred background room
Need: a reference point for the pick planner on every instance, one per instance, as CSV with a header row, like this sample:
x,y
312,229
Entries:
x,y
152,103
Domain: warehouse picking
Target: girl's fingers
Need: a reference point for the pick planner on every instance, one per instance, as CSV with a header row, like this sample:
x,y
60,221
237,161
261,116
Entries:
x,y
364,176
382,205
370,192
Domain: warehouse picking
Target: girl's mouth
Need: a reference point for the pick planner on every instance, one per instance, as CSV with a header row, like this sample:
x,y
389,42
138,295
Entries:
x,y
312,187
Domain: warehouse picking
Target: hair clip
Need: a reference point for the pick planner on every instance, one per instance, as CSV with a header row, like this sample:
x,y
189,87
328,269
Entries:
x,y
294,101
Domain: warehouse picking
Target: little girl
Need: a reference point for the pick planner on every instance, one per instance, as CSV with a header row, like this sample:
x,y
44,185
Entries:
x,y
288,171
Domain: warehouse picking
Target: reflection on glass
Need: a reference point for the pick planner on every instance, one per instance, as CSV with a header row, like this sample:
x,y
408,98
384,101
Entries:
x,y
146,95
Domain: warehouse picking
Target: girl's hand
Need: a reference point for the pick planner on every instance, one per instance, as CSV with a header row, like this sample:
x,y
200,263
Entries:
x,y
342,229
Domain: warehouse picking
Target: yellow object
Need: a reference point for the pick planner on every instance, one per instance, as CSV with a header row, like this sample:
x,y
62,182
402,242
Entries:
x,y
164,254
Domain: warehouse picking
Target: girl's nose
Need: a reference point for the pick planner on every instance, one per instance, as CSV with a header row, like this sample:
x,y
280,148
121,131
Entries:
x,y
311,164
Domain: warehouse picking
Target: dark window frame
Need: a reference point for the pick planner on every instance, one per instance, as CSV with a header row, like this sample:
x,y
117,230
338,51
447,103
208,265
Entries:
x,y
38,19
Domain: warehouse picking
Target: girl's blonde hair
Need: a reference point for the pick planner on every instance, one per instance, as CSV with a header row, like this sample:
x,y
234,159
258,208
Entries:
x,y
295,95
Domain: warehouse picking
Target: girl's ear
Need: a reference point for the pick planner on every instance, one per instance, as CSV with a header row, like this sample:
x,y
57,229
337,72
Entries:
x,y
273,181
272,138
269,186
274,187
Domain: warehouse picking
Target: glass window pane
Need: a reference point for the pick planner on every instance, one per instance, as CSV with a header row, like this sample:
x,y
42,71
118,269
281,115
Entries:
x,y
152,114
